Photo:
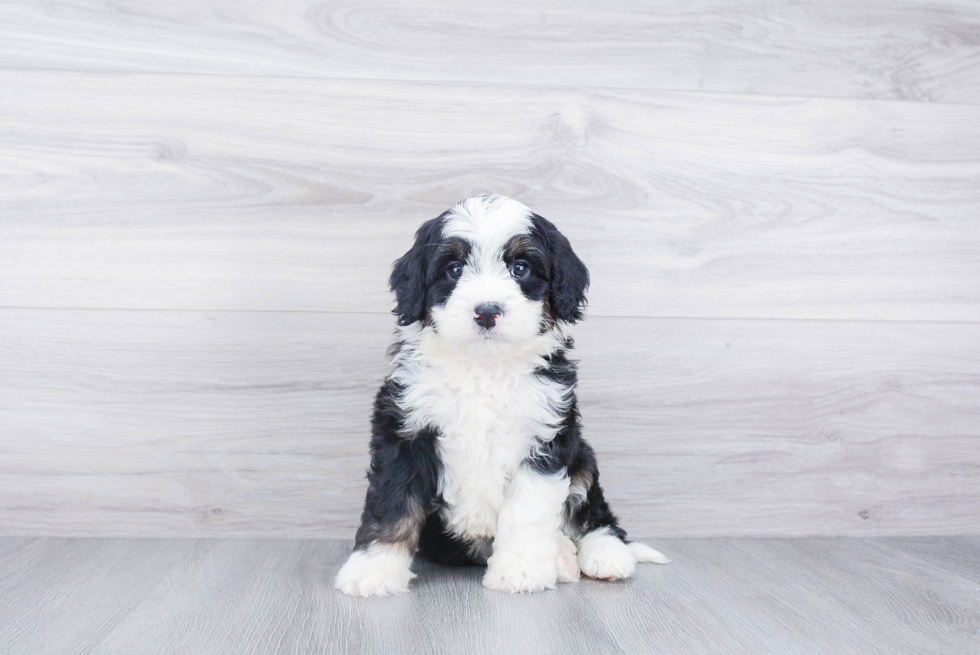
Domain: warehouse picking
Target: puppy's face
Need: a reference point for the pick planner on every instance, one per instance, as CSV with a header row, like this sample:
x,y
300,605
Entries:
x,y
489,276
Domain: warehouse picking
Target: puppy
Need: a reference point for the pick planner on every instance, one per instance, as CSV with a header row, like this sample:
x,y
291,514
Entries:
x,y
477,456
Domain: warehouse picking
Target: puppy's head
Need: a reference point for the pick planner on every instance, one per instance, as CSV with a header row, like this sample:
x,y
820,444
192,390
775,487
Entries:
x,y
489,275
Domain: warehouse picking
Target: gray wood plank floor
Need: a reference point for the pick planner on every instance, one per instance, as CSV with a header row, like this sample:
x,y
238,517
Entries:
x,y
894,595
920,50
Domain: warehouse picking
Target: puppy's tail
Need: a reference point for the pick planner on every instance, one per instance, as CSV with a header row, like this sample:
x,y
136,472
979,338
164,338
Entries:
x,y
643,553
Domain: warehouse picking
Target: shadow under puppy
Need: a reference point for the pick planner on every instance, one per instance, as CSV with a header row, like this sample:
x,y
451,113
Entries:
x,y
476,449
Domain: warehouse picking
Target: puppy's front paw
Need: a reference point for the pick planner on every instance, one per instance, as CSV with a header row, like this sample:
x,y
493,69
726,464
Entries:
x,y
602,555
515,572
380,570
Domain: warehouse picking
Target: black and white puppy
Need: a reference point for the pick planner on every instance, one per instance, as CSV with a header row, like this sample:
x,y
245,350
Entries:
x,y
476,448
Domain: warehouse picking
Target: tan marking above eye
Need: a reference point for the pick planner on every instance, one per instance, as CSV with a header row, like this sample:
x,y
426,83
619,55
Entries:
x,y
517,246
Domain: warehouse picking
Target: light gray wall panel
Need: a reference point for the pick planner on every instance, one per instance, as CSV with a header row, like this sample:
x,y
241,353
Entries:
x,y
822,427
921,50
200,192
143,423
200,202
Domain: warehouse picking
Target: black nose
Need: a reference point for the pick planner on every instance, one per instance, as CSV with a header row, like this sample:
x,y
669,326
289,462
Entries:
x,y
487,314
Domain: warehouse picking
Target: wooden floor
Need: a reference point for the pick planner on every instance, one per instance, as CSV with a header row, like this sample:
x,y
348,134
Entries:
x,y
842,595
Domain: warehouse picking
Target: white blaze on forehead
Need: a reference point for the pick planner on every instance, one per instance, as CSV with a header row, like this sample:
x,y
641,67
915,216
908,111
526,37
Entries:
x,y
487,222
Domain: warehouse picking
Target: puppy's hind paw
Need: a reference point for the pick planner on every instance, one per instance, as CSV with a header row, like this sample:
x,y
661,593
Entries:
x,y
603,555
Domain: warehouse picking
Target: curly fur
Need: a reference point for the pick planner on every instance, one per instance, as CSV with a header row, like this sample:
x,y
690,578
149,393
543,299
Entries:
x,y
477,456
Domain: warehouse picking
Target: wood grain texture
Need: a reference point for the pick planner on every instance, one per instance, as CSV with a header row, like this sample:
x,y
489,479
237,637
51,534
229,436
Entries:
x,y
271,596
225,186
62,596
921,50
200,192
141,423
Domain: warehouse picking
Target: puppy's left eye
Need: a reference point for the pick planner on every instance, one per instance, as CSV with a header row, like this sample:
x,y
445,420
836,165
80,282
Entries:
x,y
520,269
455,270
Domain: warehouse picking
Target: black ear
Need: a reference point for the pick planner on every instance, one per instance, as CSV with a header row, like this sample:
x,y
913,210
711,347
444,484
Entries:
x,y
408,277
569,276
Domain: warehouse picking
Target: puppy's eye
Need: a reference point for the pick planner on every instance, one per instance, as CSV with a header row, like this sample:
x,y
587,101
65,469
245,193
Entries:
x,y
455,270
520,269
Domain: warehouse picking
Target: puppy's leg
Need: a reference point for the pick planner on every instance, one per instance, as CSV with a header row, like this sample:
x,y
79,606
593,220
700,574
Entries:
x,y
394,511
603,551
401,488
384,548
526,545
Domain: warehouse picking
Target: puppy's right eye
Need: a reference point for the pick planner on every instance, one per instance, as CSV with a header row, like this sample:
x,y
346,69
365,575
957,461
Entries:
x,y
455,270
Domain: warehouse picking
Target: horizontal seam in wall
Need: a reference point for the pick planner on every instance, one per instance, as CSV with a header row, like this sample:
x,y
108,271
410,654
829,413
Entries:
x,y
537,85
596,316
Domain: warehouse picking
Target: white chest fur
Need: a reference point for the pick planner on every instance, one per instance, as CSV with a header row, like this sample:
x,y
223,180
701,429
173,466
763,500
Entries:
x,y
490,413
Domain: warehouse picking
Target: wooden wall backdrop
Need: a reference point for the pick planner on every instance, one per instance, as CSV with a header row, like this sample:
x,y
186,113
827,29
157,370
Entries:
x,y
779,202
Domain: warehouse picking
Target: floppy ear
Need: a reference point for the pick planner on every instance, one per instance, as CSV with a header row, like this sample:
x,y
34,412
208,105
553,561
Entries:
x,y
408,277
569,276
